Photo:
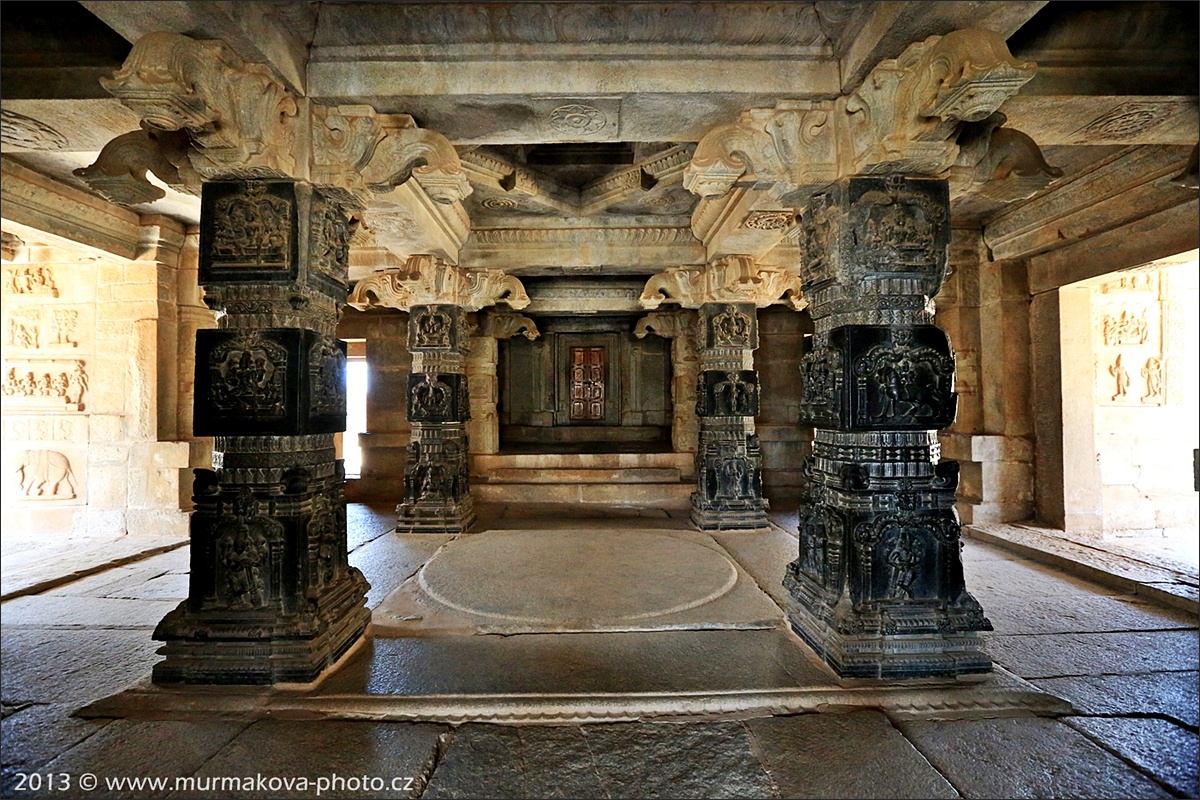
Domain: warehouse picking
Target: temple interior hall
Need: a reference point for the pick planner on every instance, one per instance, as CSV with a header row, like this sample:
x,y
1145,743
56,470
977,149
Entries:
x,y
599,399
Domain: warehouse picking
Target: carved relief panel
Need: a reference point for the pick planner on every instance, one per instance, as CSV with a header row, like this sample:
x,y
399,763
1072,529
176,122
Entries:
x,y
733,325
732,393
248,232
44,385
438,398
433,328
1127,333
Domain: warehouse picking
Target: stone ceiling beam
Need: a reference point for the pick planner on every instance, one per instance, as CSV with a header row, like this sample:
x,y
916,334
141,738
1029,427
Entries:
x,y
274,34
892,26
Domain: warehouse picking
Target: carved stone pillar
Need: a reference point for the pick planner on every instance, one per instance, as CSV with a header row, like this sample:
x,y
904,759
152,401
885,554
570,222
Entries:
x,y
271,596
484,424
728,461
878,585
437,496
680,327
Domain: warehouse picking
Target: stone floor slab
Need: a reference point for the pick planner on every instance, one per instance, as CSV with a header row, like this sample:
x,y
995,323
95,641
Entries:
x,y
39,733
844,755
400,754
1027,579
389,560
1025,757
127,749
53,562
69,666
1055,655
366,522
625,760
764,554
1160,747
51,611
1069,613
1171,694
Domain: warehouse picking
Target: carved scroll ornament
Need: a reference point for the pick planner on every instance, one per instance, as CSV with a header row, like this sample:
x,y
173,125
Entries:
x,y
426,280
732,279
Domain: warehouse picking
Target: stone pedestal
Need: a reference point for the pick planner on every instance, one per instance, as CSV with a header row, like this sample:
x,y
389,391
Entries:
x,y
437,495
728,492
878,586
271,596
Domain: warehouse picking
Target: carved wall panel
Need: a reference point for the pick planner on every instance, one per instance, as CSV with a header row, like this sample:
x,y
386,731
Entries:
x,y
729,325
45,475
44,385
1127,334
433,328
30,280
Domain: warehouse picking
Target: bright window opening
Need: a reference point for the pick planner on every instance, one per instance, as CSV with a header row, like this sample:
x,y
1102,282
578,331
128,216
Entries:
x,y
356,412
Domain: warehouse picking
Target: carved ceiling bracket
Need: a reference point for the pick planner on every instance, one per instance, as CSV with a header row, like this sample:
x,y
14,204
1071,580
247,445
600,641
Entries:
x,y
507,324
119,173
730,279
426,280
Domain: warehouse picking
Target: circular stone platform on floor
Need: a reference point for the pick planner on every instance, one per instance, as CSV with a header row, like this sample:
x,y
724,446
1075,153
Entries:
x,y
597,576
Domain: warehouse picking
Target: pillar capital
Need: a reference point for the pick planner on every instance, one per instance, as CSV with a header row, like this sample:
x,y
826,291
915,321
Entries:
x,y
426,280
730,279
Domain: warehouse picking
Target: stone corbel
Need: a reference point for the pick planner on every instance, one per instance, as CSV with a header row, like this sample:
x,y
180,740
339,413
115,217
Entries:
x,y
731,279
426,156
241,120
906,115
425,280
999,163
344,139
667,324
507,324
119,172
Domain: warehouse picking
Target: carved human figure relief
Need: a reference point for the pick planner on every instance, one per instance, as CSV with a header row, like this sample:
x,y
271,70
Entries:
x,y
62,327
431,328
1129,326
731,328
23,332
248,375
1121,377
1152,375
30,280
45,475
904,556
50,385
251,229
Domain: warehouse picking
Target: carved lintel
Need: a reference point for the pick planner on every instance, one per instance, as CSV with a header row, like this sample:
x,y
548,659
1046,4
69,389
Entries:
x,y
507,324
426,156
730,279
240,118
425,280
119,172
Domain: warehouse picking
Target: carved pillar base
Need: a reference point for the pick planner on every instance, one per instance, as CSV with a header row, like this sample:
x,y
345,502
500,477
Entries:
x,y
878,588
272,597
728,492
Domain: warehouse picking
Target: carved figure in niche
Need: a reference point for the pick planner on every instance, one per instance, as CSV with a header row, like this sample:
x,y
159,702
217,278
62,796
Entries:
x,y
733,478
246,377
904,557
431,397
252,228
63,326
1130,327
896,226
1121,376
46,469
76,385
731,328
242,553
431,328
327,378
23,333
1152,375
734,396
812,551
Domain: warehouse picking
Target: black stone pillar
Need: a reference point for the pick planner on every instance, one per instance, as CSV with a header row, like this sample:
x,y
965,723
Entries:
x,y
728,493
437,495
878,586
271,596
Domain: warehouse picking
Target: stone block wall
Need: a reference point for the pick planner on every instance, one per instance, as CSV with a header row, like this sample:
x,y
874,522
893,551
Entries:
x,y
785,443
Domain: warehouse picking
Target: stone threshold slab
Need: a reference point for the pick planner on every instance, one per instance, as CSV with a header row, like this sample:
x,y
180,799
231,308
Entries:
x,y
1001,694
1151,581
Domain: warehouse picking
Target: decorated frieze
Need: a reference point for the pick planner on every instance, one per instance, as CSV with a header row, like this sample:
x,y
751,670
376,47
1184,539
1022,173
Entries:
x,y
284,381
30,280
44,384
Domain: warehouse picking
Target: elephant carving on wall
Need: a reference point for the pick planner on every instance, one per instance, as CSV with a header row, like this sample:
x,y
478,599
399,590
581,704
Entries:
x,y
46,475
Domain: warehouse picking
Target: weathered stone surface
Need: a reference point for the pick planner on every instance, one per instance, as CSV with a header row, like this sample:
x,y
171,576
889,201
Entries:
x,y
1027,579
1160,747
1048,656
365,523
83,612
1068,613
126,748
1023,757
393,752
628,760
678,661
1173,694
39,733
844,755
66,666
388,561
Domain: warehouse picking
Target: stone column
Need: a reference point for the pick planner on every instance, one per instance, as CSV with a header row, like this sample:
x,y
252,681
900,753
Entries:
x,y
878,586
728,462
484,424
271,596
680,327
437,495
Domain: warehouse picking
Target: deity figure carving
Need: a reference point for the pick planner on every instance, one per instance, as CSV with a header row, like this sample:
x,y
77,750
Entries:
x,y
251,228
431,328
248,375
904,557
1152,375
1121,376
734,396
731,328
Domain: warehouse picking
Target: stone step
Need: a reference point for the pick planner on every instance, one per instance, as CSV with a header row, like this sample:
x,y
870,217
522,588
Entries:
x,y
489,463
577,475
658,495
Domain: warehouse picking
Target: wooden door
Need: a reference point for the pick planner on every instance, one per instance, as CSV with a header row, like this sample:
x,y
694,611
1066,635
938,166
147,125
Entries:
x,y
587,394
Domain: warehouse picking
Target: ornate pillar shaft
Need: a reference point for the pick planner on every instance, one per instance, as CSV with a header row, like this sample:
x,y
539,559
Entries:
x,y
878,585
271,595
437,495
728,492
